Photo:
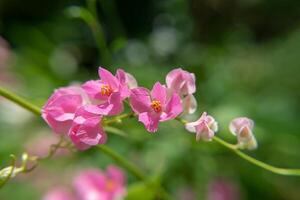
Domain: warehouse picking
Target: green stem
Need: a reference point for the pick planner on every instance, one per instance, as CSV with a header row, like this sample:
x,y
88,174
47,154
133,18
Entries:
x,y
234,148
276,170
118,119
20,101
98,32
123,162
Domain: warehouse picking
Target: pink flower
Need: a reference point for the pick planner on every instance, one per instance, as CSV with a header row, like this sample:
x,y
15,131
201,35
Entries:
x,y
58,194
109,92
126,79
95,185
242,128
155,106
222,189
183,83
59,110
86,129
205,127
5,53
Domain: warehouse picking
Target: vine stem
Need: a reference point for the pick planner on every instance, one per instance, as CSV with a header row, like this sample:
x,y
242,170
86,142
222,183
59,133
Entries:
x,y
234,148
271,168
20,101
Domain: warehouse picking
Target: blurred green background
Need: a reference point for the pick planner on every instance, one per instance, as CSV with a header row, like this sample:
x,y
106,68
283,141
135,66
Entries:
x,y
244,53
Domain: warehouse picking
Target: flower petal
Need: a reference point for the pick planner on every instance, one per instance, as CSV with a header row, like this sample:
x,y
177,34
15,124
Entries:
x,y
173,108
140,100
108,78
190,104
159,92
150,121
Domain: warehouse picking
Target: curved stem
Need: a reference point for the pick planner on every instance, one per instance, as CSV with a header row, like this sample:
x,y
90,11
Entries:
x,y
276,170
20,101
271,168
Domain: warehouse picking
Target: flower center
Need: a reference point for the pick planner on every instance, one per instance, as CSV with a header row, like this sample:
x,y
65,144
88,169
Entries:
x,y
106,90
156,106
110,185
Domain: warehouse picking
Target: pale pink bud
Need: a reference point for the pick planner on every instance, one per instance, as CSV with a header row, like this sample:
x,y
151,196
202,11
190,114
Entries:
x,y
205,127
242,128
183,83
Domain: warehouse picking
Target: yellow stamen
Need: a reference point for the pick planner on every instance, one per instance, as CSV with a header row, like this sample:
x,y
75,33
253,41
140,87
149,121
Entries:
x,y
106,90
156,105
110,185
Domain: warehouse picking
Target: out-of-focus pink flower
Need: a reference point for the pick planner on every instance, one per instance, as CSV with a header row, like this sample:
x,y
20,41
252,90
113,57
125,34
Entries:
x,y
183,83
221,189
242,128
59,194
205,127
59,110
186,193
5,53
96,185
108,93
86,130
6,58
155,106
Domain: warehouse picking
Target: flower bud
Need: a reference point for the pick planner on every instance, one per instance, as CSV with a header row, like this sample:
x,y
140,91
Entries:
x,y
242,128
205,127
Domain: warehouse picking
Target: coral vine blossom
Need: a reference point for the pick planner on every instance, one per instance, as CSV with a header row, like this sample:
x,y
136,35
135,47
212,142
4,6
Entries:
x,y
154,106
205,127
242,128
86,130
109,92
184,84
95,185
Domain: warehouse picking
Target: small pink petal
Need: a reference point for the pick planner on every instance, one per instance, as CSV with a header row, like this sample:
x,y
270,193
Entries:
x,y
173,108
190,104
107,77
92,88
159,92
140,100
150,121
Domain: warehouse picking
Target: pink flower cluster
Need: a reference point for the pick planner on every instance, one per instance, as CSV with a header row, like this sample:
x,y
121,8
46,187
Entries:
x,y
93,184
77,111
